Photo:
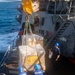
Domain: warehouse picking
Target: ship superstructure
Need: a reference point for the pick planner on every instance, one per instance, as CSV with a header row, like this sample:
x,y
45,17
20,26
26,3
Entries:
x,y
57,19
55,22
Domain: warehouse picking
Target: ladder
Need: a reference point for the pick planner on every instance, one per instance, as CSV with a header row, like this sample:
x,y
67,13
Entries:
x,y
56,36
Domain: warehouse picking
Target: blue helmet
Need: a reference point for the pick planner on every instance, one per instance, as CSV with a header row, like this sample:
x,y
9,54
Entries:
x,y
36,67
20,69
56,44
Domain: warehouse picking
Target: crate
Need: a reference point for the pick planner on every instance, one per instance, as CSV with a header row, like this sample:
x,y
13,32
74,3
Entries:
x,y
30,55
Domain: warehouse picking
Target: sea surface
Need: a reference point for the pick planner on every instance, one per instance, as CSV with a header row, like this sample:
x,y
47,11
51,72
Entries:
x,y
9,27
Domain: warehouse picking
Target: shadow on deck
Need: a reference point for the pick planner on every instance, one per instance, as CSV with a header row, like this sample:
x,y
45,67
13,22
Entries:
x,y
61,67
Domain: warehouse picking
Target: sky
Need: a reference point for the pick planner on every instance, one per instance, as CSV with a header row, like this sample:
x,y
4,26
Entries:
x,y
8,0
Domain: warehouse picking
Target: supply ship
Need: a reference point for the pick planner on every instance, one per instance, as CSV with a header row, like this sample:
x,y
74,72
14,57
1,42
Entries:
x,y
50,21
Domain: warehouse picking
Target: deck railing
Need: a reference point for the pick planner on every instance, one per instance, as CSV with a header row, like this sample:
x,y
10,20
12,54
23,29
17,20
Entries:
x,y
14,42
9,49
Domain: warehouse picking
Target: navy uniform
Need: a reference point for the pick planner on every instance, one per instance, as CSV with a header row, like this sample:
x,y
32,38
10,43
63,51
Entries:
x,y
38,70
56,52
21,71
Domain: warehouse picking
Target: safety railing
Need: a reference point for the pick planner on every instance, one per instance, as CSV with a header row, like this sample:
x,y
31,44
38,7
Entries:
x,y
19,18
43,5
9,49
14,42
19,8
5,56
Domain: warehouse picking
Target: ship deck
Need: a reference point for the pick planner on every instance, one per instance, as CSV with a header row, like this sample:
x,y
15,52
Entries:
x,y
61,67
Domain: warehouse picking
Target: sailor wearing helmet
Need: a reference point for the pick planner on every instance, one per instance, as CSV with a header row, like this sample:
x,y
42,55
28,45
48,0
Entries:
x,y
37,70
21,72
56,52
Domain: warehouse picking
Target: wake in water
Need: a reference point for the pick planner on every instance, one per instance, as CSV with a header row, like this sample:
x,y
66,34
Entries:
x,y
6,40
9,27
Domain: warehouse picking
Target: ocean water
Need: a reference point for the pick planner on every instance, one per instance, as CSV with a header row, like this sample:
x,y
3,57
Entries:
x,y
9,27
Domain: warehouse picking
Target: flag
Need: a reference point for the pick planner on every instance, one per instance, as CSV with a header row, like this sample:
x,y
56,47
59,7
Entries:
x,y
27,6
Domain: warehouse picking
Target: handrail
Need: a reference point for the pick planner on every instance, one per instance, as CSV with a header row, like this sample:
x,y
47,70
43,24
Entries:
x,y
14,42
54,36
10,47
58,31
67,11
64,9
61,18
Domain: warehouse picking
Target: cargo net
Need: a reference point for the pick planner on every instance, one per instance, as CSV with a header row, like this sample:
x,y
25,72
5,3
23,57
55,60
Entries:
x,y
31,51
32,39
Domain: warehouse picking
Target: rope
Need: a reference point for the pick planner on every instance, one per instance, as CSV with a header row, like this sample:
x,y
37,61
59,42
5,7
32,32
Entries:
x,y
25,31
37,50
27,24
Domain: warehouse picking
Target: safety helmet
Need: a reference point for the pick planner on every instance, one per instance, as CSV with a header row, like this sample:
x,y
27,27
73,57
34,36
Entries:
x,y
36,66
20,69
56,44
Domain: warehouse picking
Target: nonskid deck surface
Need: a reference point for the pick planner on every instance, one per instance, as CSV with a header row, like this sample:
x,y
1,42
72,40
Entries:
x,y
62,67
12,63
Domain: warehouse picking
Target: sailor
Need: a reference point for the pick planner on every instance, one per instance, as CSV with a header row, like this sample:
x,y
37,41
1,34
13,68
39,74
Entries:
x,y
37,70
56,52
36,20
21,72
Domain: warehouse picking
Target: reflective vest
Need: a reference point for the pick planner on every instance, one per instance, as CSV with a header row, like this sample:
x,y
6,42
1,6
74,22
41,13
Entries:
x,y
38,72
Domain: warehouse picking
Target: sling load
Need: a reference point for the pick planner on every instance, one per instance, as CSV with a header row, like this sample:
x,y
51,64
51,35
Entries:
x,y
31,50
30,6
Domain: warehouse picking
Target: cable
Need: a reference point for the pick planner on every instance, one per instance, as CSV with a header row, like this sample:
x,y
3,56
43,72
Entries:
x,y
27,24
